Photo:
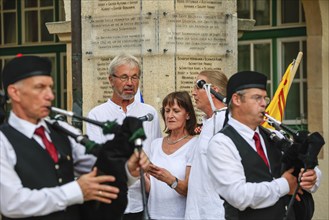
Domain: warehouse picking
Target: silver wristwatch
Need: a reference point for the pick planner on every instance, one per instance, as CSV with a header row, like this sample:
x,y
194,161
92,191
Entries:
x,y
174,184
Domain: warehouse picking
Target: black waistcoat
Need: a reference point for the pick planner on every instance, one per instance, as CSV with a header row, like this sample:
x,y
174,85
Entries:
x,y
37,170
256,171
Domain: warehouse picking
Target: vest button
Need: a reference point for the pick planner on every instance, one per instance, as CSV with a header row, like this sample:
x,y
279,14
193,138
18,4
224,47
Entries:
x,y
68,157
56,166
60,180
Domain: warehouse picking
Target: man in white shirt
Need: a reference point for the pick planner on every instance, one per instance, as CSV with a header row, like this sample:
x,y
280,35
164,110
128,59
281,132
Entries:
x,y
124,74
38,162
243,162
202,200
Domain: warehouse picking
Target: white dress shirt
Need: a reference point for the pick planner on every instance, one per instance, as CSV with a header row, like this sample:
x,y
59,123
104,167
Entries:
x,y
109,111
227,173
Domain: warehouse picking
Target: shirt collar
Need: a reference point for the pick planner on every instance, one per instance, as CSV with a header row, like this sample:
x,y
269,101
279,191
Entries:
x,y
130,106
243,129
25,127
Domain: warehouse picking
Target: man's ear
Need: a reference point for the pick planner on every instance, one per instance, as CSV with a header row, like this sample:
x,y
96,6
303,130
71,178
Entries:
x,y
13,92
111,80
236,99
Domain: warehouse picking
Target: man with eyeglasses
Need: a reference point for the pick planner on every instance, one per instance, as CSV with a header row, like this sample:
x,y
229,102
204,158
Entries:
x,y
124,76
244,165
202,201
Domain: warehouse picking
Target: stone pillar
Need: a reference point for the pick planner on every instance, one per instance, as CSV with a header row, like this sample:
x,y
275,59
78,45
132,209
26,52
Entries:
x,y
317,17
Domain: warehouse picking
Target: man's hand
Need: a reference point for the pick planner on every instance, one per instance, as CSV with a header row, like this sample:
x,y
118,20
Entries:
x,y
308,178
292,181
135,163
93,189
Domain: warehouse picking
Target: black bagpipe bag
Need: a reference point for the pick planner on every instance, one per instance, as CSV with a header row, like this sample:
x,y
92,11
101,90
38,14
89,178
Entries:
x,y
111,159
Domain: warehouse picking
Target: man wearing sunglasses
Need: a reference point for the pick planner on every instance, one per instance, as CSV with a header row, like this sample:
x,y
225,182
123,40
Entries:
x,y
202,200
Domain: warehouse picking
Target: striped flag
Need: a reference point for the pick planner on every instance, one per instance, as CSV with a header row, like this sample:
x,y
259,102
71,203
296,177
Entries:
x,y
278,103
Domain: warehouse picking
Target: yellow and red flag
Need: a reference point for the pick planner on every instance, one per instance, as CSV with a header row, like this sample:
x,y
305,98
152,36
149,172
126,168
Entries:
x,y
278,102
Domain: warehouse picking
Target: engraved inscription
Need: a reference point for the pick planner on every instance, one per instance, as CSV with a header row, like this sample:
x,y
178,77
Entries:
x,y
197,5
207,34
120,33
104,7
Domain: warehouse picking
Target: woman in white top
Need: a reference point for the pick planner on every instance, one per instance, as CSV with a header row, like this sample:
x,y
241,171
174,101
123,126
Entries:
x,y
167,177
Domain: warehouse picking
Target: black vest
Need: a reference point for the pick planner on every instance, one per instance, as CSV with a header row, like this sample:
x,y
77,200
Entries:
x,y
256,171
37,170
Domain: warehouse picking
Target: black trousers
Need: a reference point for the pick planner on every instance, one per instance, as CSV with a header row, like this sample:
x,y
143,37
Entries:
x,y
133,216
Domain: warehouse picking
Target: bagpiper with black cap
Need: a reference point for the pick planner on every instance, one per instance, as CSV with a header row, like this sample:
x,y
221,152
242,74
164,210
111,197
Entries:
x,y
38,162
243,164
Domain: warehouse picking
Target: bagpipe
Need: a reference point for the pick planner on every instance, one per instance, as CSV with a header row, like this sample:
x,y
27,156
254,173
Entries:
x,y
111,159
300,150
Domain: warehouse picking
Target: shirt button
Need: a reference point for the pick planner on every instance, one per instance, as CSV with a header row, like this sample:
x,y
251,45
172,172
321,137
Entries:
x,y
68,157
56,166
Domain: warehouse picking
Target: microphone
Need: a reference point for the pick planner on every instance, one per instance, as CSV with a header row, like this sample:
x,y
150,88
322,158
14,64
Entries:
x,y
201,83
109,127
147,117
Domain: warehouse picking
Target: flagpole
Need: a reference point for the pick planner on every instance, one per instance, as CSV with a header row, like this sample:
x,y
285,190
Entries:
x,y
278,103
296,64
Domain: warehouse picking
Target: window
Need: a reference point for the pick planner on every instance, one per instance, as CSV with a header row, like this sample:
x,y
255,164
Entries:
x,y
296,109
291,12
256,56
35,14
278,36
260,10
8,22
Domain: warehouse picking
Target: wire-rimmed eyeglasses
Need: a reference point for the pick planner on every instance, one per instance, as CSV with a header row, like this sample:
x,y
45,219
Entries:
x,y
125,78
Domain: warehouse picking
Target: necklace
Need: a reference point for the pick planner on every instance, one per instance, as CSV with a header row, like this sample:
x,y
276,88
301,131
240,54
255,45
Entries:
x,y
176,141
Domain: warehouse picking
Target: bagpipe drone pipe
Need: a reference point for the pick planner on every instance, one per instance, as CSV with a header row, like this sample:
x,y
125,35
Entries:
x,y
111,159
300,150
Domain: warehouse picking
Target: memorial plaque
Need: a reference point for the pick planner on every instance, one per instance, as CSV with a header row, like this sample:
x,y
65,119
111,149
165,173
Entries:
x,y
200,34
197,6
113,7
174,39
119,33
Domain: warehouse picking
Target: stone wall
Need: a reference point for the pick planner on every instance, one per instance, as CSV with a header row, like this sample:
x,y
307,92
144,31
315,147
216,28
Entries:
x,y
174,39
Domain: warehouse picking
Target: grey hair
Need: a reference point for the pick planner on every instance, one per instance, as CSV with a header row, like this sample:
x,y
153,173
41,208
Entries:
x,y
123,59
240,93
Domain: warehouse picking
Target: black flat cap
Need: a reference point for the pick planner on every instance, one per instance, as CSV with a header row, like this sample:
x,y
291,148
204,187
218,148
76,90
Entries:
x,y
22,67
244,80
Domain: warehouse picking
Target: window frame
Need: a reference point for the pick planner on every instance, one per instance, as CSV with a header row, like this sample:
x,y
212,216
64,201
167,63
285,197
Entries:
x,y
2,12
251,44
300,22
300,81
38,9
